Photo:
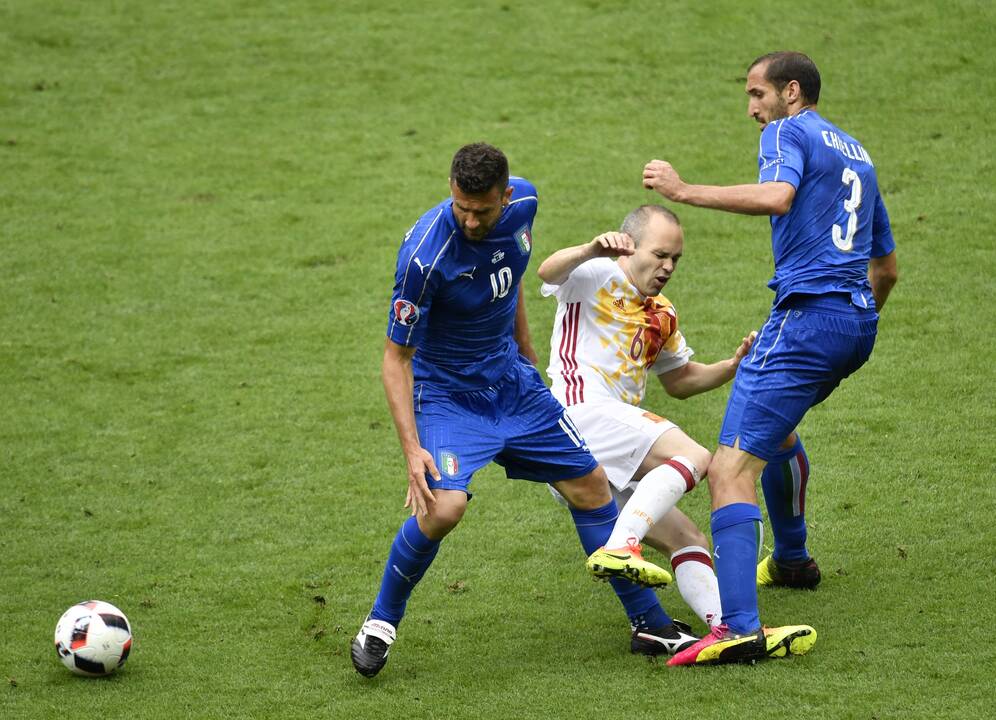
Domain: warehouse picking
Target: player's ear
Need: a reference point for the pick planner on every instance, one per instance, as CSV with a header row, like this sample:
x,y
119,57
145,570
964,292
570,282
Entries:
x,y
507,196
793,91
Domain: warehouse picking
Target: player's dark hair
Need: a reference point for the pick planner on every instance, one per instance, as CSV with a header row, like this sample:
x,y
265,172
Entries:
x,y
635,223
478,167
785,66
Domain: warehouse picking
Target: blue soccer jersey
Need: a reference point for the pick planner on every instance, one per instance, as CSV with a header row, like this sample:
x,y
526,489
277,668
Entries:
x,y
455,299
837,221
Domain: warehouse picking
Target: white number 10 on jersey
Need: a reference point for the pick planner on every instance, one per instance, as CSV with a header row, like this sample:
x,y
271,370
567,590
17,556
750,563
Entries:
x,y
501,283
851,205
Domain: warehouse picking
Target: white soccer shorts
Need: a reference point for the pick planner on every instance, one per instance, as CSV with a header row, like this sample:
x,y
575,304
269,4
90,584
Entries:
x,y
619,435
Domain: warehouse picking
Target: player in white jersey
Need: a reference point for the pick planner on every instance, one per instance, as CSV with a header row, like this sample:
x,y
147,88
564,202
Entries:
x,y
612,329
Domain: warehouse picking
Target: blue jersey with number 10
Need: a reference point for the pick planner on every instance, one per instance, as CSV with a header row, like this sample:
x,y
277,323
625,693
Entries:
x,y
837,221
455,299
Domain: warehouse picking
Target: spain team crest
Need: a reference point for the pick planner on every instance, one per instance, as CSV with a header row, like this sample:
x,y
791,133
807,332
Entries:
x,y
524,239
449,463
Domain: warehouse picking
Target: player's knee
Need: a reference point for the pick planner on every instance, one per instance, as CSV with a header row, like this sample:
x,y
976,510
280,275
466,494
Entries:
x,y
717,480
694,458
729,484
588,492
700,458
444,515
718,473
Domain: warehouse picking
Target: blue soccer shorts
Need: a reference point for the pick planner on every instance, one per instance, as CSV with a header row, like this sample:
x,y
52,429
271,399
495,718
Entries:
x,y
517,423
806,348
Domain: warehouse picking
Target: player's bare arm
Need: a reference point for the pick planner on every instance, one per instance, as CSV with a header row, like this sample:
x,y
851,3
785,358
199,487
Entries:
x,y
694,377
883,272
556,268
521,330
398,385
769,198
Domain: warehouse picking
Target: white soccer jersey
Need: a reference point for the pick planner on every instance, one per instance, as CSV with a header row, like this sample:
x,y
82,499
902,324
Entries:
x,y
607,336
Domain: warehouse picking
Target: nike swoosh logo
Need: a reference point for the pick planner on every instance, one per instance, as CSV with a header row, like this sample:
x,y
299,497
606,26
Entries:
x,y
619,557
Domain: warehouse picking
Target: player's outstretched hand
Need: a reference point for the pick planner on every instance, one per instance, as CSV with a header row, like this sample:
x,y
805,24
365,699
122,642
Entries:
x,y
659,175
419,496
613,244
745,346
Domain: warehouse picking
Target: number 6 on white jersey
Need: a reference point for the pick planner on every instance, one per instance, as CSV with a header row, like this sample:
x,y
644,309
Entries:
x,y
851,205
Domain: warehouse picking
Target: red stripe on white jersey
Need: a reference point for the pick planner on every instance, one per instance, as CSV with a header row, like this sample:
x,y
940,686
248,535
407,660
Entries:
x,y
574,383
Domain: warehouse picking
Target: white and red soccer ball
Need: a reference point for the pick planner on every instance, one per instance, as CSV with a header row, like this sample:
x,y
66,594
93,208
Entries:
x,y
93,638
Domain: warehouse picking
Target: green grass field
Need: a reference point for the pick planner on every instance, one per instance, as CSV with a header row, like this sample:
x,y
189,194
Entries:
x,y
200,206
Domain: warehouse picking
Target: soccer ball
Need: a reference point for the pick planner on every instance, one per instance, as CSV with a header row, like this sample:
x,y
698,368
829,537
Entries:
x,y
93,638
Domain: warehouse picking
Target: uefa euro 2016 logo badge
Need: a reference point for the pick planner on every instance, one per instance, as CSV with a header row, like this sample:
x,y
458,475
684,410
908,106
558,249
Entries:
x,y
405,312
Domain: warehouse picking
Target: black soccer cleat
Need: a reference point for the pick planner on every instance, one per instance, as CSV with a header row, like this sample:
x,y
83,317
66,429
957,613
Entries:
x,y
804,575
370,646
666,640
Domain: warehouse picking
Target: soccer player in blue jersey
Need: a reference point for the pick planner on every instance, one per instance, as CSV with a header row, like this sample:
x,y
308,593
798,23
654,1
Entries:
x,y
835,264
462,390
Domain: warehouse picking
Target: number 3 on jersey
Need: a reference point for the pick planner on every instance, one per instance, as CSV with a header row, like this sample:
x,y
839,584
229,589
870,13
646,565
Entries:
x,y
501,283
851,205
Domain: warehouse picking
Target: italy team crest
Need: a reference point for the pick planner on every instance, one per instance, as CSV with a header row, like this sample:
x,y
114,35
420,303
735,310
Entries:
x,y
449,463
524,239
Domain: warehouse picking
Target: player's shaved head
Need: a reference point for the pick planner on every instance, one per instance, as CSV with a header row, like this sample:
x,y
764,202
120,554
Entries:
x,y
784,66
479,167
635,223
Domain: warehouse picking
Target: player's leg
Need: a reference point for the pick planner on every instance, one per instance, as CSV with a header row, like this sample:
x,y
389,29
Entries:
x,y
671,468
736,533
678,537
594,522
805,349
543,445
841,338
460,445
595,513
652,631
691,563
769,397
621,437
784,482
414,548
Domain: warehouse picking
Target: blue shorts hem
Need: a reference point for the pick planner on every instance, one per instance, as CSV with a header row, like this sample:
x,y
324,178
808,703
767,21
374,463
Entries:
x,y
519,473
449,485
757,449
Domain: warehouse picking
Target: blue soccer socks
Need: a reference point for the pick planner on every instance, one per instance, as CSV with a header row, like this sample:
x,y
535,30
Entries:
x,y
642,606
736,537
784,483
411,554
